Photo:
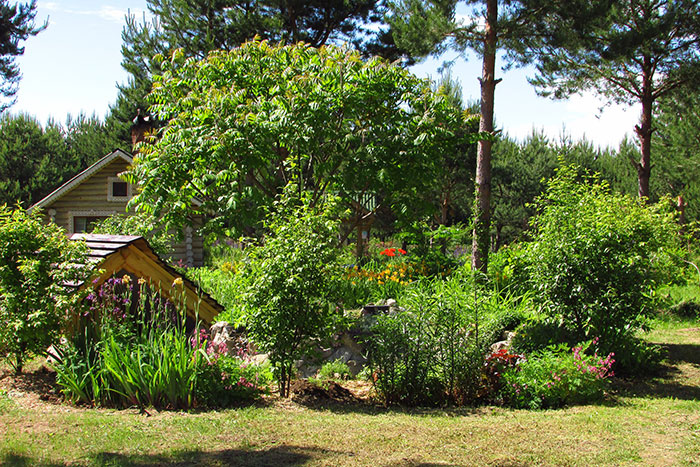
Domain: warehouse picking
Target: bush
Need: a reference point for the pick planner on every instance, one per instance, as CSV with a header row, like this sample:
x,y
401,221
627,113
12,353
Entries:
x,y
37,263
557,376
224,380
292,295
430,352
334,370
538,333
597,257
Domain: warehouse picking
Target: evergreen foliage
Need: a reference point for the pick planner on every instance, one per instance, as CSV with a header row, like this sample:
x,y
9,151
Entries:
x,y
431,26
16,25
627,51
35,160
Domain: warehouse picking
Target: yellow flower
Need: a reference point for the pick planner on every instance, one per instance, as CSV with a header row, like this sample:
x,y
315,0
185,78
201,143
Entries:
x,y
126,279
177,281
141,281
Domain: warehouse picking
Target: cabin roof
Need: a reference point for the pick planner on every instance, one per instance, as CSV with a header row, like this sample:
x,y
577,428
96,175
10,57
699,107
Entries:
x,y
113,253
82,176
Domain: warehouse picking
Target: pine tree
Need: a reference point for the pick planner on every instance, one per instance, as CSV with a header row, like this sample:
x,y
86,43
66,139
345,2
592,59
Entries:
x,y
632,51
16,25
429,27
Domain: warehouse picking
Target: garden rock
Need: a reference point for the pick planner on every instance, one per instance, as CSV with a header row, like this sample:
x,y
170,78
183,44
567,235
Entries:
x,y
504,344
225,336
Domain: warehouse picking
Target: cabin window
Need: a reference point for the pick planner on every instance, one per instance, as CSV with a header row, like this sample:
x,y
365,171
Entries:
x,y
85,224
118,190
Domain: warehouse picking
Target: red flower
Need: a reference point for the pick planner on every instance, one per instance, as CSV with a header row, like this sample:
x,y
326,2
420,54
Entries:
x,y
389,252
402,251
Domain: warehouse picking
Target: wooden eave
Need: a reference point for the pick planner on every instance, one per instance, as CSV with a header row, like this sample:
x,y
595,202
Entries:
x,y
110,254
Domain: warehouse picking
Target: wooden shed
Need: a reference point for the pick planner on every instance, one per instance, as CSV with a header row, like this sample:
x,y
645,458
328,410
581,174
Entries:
x,y
117,255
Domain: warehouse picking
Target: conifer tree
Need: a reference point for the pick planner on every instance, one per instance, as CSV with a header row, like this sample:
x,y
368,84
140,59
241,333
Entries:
x,y
632,52
16,25
429,27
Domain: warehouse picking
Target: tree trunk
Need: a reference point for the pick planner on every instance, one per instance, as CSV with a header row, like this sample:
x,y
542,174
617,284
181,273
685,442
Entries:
x,y
482,204
644,131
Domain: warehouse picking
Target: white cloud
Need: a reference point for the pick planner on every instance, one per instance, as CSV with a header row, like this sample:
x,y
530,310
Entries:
x,y
605,127
105,12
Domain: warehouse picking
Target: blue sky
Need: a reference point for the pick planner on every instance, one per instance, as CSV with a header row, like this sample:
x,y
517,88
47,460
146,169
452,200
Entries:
x,y
74,66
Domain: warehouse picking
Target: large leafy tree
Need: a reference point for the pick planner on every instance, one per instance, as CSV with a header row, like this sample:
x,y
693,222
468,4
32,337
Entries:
x,y
242,124
199,27
16,25
636,51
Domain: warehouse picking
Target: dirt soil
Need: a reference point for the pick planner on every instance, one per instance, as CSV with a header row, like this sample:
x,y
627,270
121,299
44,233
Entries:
x,y
312,394
33,388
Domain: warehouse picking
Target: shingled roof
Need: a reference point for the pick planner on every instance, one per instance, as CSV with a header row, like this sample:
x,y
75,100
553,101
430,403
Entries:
x,y
116,254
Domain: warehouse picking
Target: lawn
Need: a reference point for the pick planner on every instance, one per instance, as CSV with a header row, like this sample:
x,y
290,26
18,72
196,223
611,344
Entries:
x,y
653,421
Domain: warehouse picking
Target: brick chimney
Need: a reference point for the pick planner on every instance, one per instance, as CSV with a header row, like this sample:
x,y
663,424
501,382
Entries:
x,y
141,127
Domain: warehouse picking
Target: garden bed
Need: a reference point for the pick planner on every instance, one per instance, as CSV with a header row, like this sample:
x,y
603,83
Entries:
x,y
652,421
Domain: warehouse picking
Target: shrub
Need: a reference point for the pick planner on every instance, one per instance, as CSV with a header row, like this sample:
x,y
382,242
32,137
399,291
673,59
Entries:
x,y
557,376
597,257
37,264
495,365
223,380
291,298
430,352
540,332
335,370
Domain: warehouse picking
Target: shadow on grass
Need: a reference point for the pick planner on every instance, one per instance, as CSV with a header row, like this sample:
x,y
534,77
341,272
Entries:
x,y
370,408
279,455
20,460
689,353
670,381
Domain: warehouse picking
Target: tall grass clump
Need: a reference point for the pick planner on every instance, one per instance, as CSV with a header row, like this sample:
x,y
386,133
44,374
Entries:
x,y
432,348
135,348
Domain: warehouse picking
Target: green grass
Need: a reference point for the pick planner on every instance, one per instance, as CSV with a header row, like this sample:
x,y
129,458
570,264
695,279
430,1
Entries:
x,y
655,421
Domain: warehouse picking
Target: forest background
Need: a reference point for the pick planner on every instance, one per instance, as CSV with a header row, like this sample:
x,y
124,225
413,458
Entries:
x,y
36,158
